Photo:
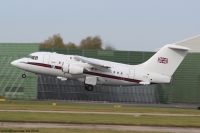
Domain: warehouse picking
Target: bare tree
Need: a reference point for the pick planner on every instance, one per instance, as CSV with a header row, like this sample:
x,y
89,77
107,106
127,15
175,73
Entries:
x,y
91,43
71,45
109,47
55,41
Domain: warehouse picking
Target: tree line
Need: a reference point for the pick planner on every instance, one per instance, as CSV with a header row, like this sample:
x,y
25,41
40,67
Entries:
x,y
89,42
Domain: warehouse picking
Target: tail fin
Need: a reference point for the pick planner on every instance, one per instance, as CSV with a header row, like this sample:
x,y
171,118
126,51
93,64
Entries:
x,y
166,60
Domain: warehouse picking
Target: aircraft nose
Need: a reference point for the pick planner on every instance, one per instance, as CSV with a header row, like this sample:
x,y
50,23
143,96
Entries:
x,y
14,63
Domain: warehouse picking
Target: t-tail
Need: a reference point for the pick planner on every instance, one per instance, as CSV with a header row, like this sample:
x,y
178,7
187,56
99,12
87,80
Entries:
x,y
167,59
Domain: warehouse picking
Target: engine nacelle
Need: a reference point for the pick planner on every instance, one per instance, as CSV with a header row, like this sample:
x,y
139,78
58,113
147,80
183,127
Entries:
x,y
72,69
65,68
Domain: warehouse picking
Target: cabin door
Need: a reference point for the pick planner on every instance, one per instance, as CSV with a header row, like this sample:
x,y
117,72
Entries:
x,y
46,59
131,73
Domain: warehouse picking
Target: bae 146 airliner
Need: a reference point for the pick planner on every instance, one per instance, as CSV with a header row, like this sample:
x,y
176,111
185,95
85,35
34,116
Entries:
x,y
158,69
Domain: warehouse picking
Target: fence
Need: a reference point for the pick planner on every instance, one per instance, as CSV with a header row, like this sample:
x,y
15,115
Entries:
x,y
184,87
12,85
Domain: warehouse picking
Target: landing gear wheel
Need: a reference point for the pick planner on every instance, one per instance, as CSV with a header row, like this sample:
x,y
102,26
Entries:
x,y
23,75
89,87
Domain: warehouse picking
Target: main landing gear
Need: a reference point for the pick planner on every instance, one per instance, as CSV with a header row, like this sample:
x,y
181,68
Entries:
x,y
89,87
24,75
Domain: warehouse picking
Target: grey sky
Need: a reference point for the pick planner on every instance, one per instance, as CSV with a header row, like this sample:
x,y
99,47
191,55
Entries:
x,y
133,25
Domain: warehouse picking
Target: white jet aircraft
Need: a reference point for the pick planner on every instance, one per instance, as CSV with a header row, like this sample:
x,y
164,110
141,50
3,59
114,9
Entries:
x,y
158,69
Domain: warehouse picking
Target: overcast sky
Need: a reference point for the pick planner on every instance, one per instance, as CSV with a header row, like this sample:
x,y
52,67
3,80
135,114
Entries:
x,y
134,25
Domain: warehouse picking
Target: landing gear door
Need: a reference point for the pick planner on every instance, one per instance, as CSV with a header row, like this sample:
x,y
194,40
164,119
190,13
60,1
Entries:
x,y
131,73
46,59
91,80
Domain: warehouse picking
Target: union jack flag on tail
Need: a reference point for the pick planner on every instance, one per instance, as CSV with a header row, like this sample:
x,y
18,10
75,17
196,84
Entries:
x,y
162,60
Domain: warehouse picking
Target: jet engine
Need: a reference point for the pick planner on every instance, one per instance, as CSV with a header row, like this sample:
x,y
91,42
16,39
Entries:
x,y
72,69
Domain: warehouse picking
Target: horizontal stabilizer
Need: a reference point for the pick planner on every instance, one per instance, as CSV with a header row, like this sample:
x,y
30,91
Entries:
x,y
172,46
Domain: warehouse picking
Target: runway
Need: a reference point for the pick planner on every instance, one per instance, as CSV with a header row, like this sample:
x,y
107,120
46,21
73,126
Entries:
x,y
100,127
113,113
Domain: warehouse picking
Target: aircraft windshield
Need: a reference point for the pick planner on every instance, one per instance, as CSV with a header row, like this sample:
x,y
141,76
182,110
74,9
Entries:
x,y
29,56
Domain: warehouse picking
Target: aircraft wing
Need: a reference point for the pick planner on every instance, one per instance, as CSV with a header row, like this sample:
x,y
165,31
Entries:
x,y
96,64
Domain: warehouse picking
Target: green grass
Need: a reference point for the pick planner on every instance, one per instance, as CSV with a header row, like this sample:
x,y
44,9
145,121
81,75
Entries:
x,y
68,130
177,121
47,105
114,119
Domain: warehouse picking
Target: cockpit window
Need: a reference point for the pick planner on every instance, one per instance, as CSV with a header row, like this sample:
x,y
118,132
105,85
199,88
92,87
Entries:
x,y
29,56
32,57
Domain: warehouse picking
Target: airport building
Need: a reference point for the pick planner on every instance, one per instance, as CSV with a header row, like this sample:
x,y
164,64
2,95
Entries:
x,y
184,87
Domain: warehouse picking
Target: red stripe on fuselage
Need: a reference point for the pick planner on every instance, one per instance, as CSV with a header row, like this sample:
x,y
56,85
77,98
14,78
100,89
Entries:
x,y
58,67
112,77
87,72
44,65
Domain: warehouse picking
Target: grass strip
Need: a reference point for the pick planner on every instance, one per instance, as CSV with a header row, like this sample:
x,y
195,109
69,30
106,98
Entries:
x,y
61,106
107,119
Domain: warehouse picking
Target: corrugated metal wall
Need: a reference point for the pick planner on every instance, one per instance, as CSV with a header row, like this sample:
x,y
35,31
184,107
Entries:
x,y
186,81
184,87
52,88
12,85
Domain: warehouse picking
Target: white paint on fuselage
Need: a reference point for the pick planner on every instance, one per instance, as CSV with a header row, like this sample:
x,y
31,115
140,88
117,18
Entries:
x,y
55,59
158,69
121,71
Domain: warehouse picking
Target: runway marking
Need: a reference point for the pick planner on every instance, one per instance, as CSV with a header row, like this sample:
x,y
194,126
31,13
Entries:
x,y
102,127
110,113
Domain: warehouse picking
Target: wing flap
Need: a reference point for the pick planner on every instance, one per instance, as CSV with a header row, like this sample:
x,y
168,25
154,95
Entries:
x,y
96,64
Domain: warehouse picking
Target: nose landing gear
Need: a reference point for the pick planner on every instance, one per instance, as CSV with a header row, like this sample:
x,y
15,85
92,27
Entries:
x,y
24,74
89,87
